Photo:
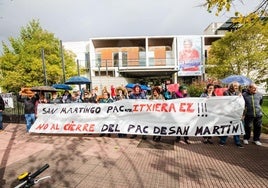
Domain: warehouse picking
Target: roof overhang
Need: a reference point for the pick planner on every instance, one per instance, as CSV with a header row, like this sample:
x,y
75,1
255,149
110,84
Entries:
x,y
132,42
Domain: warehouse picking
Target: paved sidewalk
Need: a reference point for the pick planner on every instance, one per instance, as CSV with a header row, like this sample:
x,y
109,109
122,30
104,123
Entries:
x,y
84,161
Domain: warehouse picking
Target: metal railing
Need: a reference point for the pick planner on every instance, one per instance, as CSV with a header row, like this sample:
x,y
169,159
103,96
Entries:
x,y
121,64
16,114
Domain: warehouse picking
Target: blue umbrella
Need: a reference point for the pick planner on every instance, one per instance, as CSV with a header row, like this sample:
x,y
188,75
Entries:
x,y
62,86
78,80
143,87
242,80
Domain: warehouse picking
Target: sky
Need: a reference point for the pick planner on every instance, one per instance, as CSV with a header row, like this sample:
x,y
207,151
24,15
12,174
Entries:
x,y
79,20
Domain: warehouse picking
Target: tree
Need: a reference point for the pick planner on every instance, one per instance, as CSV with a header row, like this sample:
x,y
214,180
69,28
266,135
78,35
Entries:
x,y
222,5
21,63
242,52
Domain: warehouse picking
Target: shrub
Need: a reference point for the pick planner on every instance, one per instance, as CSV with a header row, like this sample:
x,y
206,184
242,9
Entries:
x,y
196,89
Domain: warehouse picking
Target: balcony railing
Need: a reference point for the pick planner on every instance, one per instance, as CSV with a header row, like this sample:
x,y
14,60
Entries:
x,y
153,62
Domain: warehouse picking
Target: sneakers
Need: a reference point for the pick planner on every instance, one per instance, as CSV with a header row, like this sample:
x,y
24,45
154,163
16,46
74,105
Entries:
x,y
258,143
245,142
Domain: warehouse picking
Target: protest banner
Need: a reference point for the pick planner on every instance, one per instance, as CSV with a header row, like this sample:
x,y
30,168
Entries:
x,y
214,116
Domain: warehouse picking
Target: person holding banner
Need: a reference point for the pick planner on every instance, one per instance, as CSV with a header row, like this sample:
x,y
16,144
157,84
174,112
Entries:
x,y
66,97
209,92
94,96
2,108
86,97
137,94
120,94
233,90
156,95
182,93
30,102
105,99
253,114
54,98
76,97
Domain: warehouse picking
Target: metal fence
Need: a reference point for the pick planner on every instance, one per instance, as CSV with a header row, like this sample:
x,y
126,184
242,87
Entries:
x,y
16,114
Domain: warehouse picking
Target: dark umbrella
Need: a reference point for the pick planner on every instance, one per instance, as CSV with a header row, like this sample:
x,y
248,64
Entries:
x,y
43,88
242,80
62,86
143,87
78,80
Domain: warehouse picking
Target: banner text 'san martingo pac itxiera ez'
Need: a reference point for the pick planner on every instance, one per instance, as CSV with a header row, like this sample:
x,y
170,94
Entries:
x,y
214,116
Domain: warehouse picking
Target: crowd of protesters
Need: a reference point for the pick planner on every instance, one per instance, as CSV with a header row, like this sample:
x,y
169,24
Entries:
x,y
252,114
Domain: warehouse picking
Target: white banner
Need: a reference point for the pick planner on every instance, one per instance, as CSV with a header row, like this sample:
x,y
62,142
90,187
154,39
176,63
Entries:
x,y
213,116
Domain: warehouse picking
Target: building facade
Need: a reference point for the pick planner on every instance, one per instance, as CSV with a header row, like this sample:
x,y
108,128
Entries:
x,y
148,60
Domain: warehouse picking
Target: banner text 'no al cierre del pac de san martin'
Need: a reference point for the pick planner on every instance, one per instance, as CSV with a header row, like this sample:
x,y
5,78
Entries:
x,y
214,116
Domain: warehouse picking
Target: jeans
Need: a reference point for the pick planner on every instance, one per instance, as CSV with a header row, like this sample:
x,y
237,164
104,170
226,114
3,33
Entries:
x,y
236,139
1,120
30,118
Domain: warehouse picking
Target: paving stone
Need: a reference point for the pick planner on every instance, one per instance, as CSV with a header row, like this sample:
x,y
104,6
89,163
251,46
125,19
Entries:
x,y
83,161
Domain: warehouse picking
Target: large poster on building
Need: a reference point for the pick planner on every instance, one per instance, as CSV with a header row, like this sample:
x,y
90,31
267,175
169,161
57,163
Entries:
x,y
189,56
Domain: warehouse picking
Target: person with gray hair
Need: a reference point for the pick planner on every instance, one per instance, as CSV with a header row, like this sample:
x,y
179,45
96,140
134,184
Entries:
x,y
233,90
253,114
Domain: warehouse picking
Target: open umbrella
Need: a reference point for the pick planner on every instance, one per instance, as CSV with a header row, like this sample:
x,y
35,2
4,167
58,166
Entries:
x,y
143,87
78,80
43,88
62,86
242,80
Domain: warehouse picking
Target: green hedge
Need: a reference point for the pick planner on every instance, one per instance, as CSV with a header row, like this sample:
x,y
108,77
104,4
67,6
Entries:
x,y
265,116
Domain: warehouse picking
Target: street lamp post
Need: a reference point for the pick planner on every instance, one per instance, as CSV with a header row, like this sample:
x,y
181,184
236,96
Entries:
x,y
44,65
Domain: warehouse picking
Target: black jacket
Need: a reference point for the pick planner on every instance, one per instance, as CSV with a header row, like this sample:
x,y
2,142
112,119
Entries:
x,y
29,104
2,103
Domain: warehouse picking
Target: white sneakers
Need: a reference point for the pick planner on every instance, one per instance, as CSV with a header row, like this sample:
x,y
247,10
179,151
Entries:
x,y
258,143
245,142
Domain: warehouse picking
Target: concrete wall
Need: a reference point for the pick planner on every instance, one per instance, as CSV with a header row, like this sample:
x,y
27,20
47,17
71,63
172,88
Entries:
x,y
102,81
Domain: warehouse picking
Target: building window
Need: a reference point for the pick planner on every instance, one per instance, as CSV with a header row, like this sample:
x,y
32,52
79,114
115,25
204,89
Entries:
x,y
169,59
116,59
124,59
151,58
142,58
98,60
104,73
